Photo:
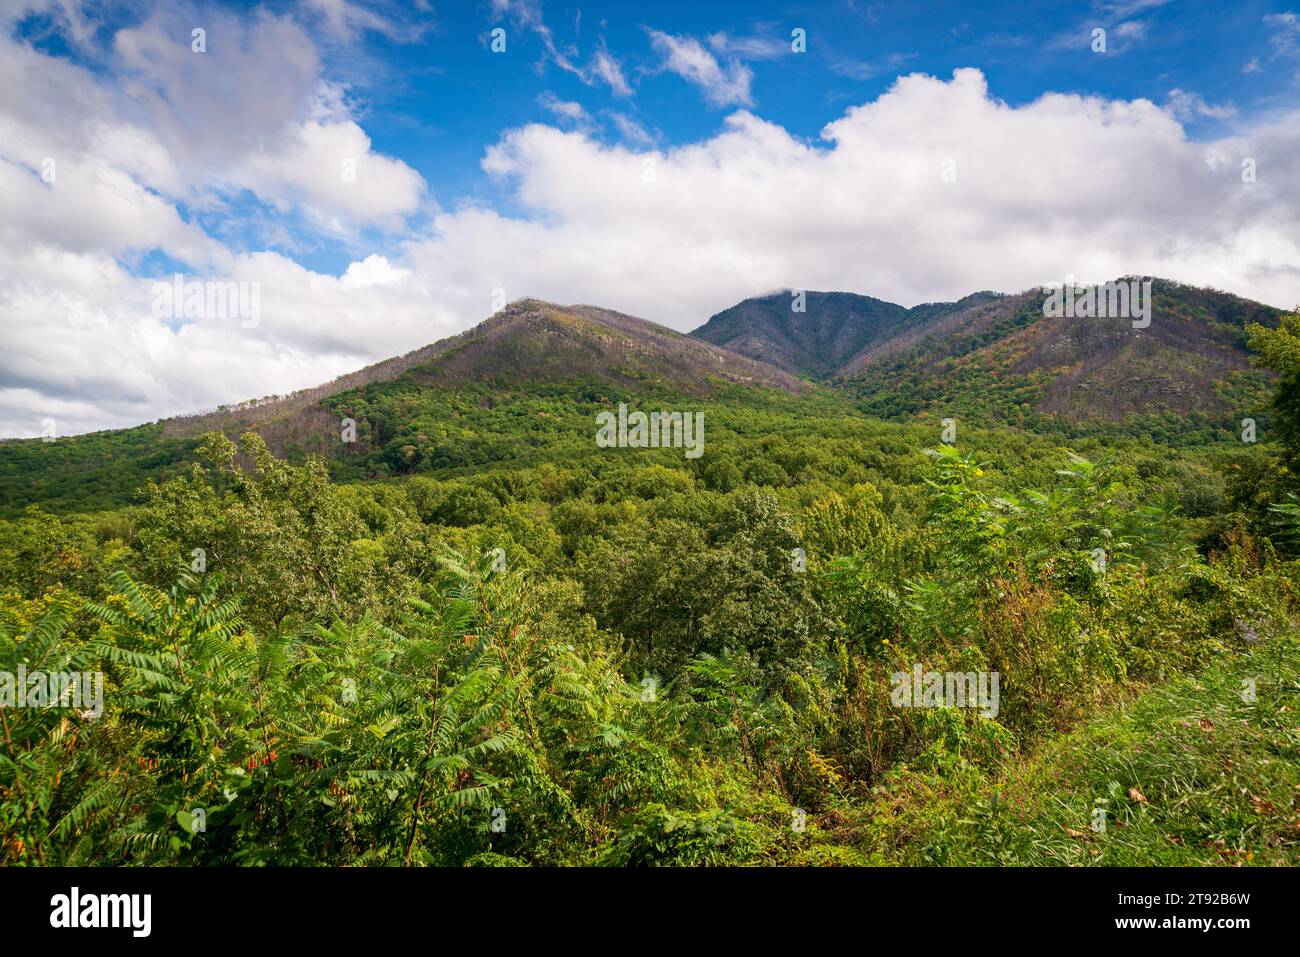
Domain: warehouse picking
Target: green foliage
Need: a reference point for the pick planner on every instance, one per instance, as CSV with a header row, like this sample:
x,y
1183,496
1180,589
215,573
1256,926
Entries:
x,y
1278,349
295,547
1190,774
511,648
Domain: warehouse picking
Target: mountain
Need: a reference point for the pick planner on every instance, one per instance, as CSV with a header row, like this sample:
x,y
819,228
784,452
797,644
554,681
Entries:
x,y
1005,358
534,341
457,404
440,406
829,335
1000,356
529,342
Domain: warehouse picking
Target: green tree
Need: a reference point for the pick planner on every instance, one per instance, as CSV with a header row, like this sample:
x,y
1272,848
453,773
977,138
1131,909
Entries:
x,y
1279,349
289,542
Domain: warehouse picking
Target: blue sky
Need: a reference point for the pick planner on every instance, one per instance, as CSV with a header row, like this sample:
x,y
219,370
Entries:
x,y
663,159
427,89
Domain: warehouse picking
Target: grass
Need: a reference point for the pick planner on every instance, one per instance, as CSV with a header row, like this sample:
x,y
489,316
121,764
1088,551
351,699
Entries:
x,y
1186,774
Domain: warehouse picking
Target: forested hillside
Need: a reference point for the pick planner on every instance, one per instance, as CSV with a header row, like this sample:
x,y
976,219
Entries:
x,y
1182,376
819,334
440,405
463,631
1187,372
988,359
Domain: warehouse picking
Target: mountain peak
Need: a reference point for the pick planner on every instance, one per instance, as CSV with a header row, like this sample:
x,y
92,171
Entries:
x,y
530,341
533,340
1076,367
804,332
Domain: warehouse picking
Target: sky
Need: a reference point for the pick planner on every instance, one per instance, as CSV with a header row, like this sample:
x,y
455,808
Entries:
x,y
333,182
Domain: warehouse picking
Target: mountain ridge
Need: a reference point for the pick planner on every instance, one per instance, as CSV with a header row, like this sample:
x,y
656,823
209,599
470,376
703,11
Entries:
x,y
1009,360
989,356
839,340
528,340
1191,358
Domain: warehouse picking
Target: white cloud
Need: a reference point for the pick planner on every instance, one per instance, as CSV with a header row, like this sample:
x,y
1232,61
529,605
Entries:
x,y
1065,185
84,349
754,47
91,208
566,111
1126,8
75,20
1184,106
1285,33
604,66
631,131
1121,37
252,113
869,69
257,80
1131,30
1285,37
574,116
94,165
687,57
329,169
347,20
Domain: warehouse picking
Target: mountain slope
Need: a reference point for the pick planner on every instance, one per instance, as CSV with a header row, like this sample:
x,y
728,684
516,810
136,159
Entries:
x,y
1000,356
1005,358
530,341
415,410
832,327
533,341
829,335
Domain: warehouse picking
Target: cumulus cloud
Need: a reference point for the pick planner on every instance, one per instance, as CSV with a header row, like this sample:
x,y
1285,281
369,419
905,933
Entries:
x,y
252,113
99,175
75,21
84,348
1064,185
330,170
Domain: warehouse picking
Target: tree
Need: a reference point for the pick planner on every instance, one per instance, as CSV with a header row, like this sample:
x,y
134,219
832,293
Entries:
x,y
1279,349
287,540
